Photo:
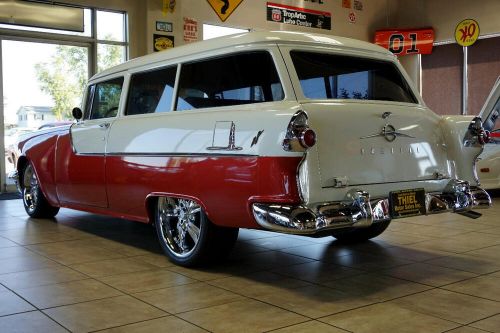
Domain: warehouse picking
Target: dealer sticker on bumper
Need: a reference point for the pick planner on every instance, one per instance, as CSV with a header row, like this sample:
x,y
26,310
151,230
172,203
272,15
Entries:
x,y
406,203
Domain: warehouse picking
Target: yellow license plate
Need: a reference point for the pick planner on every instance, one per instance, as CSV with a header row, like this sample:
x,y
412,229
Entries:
x,y
406,203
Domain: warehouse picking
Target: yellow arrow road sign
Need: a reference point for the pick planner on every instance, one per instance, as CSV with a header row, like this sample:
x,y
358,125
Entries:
x,y
224,8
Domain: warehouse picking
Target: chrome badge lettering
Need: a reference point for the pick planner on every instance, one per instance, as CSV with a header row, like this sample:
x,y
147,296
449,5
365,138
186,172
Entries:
x,y
389,151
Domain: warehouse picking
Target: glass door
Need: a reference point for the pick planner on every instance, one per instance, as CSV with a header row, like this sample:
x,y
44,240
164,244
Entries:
x,y
41,83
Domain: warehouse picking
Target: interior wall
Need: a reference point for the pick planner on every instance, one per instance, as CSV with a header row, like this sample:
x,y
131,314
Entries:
x,y
252,14
137,18
444,15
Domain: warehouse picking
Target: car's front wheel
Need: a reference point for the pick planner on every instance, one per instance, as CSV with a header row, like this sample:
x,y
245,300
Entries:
x,y
187,236
35,203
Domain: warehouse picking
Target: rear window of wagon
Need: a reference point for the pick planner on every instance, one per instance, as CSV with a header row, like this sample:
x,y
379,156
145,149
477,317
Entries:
x,y
331,76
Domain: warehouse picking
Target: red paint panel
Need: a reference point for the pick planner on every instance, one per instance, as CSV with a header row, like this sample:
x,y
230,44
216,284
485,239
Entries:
x,y
225,185
406,41
80,178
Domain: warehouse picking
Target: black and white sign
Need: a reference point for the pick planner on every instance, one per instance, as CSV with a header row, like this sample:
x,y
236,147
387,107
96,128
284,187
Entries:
x,y
298,16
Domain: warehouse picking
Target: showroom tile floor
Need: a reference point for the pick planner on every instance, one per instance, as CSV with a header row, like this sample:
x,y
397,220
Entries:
x,y
83,272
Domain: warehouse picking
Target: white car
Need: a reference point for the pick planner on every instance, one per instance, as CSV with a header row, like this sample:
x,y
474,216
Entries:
x,y
291,132
488,166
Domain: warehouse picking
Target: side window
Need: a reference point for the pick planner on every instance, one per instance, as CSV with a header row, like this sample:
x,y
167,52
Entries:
x,y
151,92
106,99
230,80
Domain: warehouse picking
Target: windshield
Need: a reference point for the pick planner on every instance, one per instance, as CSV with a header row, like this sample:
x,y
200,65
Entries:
x,y
330,76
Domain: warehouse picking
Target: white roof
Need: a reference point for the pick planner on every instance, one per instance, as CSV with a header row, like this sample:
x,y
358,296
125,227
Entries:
x,y
278,37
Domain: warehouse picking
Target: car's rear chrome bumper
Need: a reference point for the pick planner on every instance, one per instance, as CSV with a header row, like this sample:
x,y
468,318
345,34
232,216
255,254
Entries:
x,y
359,211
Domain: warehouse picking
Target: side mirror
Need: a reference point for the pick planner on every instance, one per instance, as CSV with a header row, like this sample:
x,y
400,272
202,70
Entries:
x,y
77,113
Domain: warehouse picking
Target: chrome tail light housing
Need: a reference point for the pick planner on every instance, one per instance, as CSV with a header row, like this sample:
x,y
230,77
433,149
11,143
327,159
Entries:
x,y
299,136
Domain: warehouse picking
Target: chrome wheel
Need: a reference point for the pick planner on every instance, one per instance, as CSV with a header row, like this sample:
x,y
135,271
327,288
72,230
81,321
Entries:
x,y
180,224
30,190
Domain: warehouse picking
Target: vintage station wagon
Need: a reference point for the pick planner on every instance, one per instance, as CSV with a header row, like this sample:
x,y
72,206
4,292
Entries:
x,y
290,132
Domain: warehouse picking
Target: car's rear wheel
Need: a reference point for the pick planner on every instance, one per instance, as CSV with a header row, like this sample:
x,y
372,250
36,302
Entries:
x,y
35,203
361,234
186,235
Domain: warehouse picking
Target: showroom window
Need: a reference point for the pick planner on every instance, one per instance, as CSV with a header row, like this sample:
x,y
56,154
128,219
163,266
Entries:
x,y
79,43
230,80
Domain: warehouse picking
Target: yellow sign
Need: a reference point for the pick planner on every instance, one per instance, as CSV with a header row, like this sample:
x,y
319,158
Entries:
x,y
467,32
224,8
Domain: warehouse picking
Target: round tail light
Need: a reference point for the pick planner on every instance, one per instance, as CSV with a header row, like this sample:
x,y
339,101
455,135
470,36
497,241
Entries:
x,y
307,138
483,137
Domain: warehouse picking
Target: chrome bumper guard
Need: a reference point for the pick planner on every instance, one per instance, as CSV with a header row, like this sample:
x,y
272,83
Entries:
x,y
359,211
15,176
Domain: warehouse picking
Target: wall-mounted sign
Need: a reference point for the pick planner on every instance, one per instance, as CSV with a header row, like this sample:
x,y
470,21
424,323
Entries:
x,y
358,5
224,8
406,41
346,3
168,6
467,32
190,30
298,16
352,17
162,42
164,26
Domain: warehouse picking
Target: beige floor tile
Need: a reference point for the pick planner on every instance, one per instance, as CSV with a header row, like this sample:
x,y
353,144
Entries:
x,y
242,316
400,238
449,305
258,283
279,242
483,286
202,274
164,324
158,260
429,274
386,317
315,301
29,322
491,324
16,252
320,251
491,252
10,303
28,263
40,277
466,329
187,297
377,287
112,267
310,327
4,242
41,237
370,262
411,253
147,280
67,293
318,272
466,262
102,314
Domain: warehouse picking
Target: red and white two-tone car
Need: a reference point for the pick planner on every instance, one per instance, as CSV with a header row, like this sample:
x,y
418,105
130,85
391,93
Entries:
x,y
291,132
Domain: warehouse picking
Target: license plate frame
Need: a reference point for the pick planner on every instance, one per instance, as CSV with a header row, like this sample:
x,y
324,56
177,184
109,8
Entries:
x,y
405,203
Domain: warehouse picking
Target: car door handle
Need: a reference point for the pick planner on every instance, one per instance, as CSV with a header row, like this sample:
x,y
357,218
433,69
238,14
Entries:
x,y
104,125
